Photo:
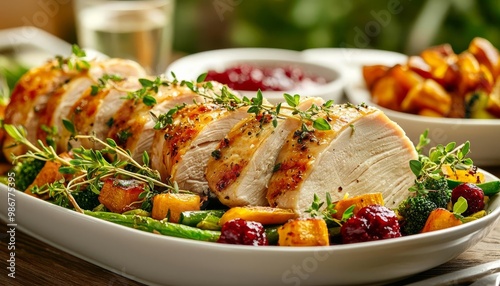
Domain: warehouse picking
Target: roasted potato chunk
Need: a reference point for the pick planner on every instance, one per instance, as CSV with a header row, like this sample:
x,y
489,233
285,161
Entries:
x,y
304,232
172,205
439,82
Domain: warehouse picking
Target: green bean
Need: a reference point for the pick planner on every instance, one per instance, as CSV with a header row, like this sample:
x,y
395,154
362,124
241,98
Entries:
x,y
158,226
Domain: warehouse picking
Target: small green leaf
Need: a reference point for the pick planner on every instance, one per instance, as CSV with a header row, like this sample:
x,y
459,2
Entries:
x,y
348,213
69,126
149,100
276,167
17,133
253,109
67,170
416,167
321,124
289,100
145,158
146,82
465,149
94,89
201,77
77,51
329,103
259,99
450,146
189,85
111,142
460,206
278,108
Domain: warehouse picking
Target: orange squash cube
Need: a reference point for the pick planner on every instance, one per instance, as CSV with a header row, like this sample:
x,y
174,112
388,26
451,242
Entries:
x,y
304,232
174,204
264,215
440,219
359,202
465,176
119,196
47,175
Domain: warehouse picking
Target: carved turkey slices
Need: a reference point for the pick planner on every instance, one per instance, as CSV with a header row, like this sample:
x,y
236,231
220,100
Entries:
x,y
363,152
44,96
245,159
210,147
182,150
93,112
132,125
30,95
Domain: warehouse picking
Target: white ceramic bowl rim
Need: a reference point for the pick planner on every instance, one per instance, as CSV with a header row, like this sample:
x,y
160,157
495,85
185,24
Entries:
x,y
223,58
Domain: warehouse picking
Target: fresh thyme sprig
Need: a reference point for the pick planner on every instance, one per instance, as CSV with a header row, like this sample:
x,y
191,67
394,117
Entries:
x,y
148,90
319,123
103,81
165,119
75,61
326,213
88,167
431,166
256,105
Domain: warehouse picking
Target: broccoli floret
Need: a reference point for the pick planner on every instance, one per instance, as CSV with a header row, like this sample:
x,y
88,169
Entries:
x,y
26,172
438,192
86,199
415,211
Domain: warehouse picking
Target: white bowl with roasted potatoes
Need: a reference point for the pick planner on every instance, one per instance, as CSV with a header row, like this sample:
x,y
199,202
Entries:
x,y
456,96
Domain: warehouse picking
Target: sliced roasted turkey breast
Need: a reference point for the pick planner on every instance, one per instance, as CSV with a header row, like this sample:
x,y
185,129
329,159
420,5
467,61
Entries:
x,y
185,146
363,152
29,97
132,125
44,96
243,163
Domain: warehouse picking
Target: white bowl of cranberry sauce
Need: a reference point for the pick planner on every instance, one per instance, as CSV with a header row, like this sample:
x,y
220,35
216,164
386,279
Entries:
x,y
273,71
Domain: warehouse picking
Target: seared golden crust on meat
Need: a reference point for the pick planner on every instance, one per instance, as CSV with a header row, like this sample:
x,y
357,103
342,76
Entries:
x,y
301,149
29,97
179,137
234,152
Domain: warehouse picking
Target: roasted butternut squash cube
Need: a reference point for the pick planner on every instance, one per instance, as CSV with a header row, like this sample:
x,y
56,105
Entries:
x,y
121,195
264,215
359,202
465,176
47,175
304,232
440,219
173,205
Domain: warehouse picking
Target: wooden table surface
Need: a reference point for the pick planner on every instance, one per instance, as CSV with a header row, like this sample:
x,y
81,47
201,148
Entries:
x,y
40,264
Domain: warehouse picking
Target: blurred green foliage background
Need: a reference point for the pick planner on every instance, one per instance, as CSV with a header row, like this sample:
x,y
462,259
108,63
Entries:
x,y
399,25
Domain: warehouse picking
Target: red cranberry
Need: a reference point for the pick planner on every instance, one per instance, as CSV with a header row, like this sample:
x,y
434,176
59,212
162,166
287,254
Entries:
x,y
252,78
240,231
370,223
472,193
